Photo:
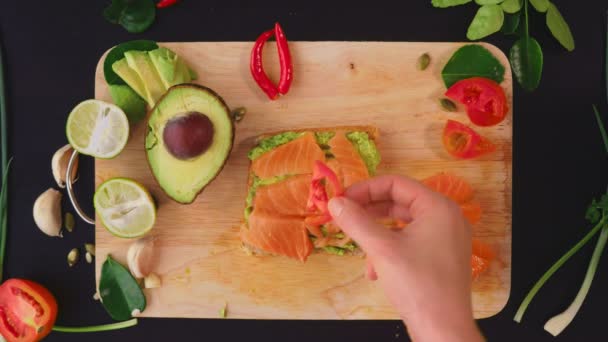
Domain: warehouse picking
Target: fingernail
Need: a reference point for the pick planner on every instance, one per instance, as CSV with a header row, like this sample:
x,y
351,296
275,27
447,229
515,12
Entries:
x,y
335,206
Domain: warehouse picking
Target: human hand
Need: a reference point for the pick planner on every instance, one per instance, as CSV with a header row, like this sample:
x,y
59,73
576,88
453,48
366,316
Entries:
x,y
425,268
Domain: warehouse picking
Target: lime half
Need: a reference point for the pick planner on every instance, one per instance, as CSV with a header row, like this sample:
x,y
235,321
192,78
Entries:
x,y
125,207
98,129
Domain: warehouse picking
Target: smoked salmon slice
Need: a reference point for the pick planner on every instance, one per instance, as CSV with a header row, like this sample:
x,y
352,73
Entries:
x,y
287,198
482,256
459,191
278,235
350,167
294,158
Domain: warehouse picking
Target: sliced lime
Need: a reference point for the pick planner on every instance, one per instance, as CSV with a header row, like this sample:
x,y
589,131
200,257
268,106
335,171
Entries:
x,y
98,129
125,207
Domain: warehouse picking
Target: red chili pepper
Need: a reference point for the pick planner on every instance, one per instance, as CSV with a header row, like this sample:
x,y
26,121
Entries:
x,y
284,60
166,3
257,67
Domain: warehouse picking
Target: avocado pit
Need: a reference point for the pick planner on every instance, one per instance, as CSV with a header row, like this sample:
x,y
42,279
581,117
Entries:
x,y
188,136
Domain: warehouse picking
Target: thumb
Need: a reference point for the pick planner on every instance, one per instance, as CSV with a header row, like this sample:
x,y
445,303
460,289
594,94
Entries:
x,y
356,223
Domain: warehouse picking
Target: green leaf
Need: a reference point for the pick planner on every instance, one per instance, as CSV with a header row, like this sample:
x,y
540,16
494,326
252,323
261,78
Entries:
x,y
559,27
113,12
488,20
511,24
449,3
488,2
120,293
470,61
134,15
600,123
511,6
540,5
128,100
118,52
526,58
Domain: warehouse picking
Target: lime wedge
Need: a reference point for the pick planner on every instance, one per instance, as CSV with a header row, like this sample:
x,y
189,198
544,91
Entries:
x,y
98,129
125,207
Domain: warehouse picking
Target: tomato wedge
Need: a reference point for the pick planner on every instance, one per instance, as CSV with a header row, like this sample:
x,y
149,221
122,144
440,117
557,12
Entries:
x,y
317,196
27,311
463,142
322,176
484,99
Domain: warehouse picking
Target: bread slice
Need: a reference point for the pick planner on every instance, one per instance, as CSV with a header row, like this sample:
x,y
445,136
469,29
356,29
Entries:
x,y
371,131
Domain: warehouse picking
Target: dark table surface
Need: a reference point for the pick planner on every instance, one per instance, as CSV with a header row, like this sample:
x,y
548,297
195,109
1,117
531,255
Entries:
x,y
559,163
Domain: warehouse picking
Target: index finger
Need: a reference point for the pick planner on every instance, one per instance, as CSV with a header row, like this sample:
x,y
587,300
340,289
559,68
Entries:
x,y
401,190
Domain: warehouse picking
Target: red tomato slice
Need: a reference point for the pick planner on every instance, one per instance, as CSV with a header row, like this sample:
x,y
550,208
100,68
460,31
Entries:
x,y
317,196
463,142
485,100
27,311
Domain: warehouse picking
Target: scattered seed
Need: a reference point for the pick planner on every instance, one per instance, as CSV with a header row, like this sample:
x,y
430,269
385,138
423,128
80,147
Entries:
x,y
90,248
448,105
423,61
89,257
238,114
224,311
152,281
69,222
73,256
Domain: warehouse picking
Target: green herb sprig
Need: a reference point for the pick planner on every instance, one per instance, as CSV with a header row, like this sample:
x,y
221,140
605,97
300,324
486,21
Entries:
x,y
511,17
135,16
5,164
597,214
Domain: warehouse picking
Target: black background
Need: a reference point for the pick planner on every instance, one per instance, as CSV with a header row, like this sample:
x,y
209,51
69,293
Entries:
x,y
51,50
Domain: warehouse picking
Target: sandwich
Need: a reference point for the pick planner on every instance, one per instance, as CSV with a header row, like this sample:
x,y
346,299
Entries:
x,y
278,217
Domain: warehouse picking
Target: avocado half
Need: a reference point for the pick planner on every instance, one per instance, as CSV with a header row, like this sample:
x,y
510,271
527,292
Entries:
x,y
189,137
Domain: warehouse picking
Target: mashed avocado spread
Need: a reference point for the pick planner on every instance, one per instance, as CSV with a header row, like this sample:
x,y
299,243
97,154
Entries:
x,y
367,149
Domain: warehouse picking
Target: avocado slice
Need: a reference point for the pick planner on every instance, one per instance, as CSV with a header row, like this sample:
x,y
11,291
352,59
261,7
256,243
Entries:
x,y
141,62
122,69
171,68
189,137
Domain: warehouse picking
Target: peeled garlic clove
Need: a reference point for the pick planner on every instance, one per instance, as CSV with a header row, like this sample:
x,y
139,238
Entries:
x,y
152,281
59,165
47,212
139,257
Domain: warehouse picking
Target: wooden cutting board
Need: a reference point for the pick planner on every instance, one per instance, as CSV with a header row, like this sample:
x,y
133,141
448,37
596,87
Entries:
x,y
199,254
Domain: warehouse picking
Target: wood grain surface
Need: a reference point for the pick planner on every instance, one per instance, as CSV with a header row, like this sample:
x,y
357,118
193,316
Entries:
x,y
199,255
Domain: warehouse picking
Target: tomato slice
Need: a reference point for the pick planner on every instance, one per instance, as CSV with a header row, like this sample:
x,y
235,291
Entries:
x,y
484,99
463,142
317,196
27,311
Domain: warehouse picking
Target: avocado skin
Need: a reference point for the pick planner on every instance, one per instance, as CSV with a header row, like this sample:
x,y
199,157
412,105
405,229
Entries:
x,y
232,127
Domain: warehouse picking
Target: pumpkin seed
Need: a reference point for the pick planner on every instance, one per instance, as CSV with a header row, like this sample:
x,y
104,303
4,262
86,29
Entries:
x,y
238,114
90,248
423,61
69,222
448,105
73,256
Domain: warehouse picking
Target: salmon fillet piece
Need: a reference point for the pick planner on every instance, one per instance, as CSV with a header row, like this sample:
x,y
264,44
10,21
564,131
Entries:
x,y
482,256
278,235
350,167
459,191
294,158
287,198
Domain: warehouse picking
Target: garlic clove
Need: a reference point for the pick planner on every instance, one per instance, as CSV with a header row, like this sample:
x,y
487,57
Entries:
x,y
59,165
47,212
152,281
139,257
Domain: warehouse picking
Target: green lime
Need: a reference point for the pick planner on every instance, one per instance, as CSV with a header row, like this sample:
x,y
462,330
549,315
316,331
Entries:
x,y
125,207
98,129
